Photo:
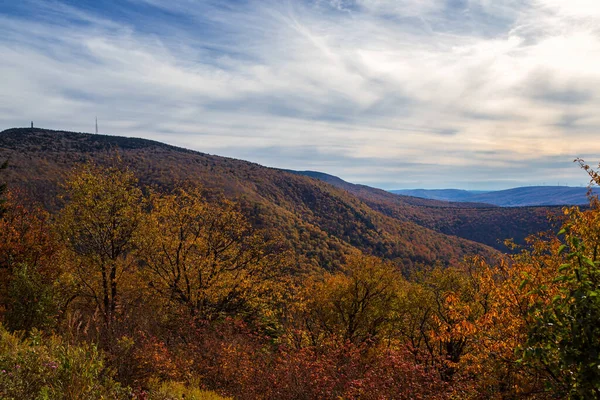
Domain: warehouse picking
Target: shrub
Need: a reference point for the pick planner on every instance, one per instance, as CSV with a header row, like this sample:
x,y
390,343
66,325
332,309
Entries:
x,y
176,390
48,368
30,301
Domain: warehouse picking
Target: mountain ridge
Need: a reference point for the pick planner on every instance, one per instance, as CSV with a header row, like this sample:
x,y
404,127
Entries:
x,y
481,222
320,221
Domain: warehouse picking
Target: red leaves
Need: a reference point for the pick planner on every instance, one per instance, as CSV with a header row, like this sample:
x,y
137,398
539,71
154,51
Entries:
x,y
25,236
238,362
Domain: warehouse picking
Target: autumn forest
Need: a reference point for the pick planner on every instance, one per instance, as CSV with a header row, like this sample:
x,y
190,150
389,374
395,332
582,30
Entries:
x,y
135,270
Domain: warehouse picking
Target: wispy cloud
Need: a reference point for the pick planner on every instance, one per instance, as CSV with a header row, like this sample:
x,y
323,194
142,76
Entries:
x,y
394,93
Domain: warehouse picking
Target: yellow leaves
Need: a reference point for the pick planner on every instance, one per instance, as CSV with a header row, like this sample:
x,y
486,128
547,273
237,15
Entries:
x,y
355,304
454,322
207,257
99,225
508,289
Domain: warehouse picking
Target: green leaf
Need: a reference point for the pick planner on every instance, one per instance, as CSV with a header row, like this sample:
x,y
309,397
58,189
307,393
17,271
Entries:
x,y
556,298
523,283
589,262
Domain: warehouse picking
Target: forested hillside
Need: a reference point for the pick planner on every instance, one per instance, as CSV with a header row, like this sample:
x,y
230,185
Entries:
x,y
130,269
484,223
321,222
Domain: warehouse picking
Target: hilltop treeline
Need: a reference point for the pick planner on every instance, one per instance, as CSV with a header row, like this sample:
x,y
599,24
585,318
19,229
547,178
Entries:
x,y
129,291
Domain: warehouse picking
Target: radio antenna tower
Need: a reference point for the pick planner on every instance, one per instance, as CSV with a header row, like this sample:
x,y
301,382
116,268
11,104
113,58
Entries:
x,y
96,125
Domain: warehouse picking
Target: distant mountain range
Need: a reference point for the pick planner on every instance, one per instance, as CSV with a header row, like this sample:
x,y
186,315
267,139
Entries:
x,y
516,197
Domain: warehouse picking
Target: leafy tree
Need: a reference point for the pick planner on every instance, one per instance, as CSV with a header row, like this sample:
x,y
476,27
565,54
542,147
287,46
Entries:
x,y
25,235
207,257
538,336
437,314
564,335
28,266
355,304
500,328
99,225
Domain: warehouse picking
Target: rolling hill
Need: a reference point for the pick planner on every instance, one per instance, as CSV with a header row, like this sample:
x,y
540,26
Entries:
x,y
320,221
480,222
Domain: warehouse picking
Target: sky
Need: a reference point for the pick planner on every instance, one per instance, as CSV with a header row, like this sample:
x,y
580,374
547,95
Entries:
x,y
471,94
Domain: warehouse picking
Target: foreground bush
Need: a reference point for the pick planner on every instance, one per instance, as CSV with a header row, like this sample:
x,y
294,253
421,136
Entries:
x,y
40,368
177,390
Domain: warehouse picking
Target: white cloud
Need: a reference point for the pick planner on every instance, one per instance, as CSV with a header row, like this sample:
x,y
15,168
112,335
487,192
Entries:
x,y
402,8
444,89
584,9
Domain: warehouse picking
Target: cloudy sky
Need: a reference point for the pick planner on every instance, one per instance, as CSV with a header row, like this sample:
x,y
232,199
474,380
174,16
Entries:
x,y
475,94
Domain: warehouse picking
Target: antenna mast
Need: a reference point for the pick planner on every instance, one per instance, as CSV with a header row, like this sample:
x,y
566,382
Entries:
x,y
96,125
